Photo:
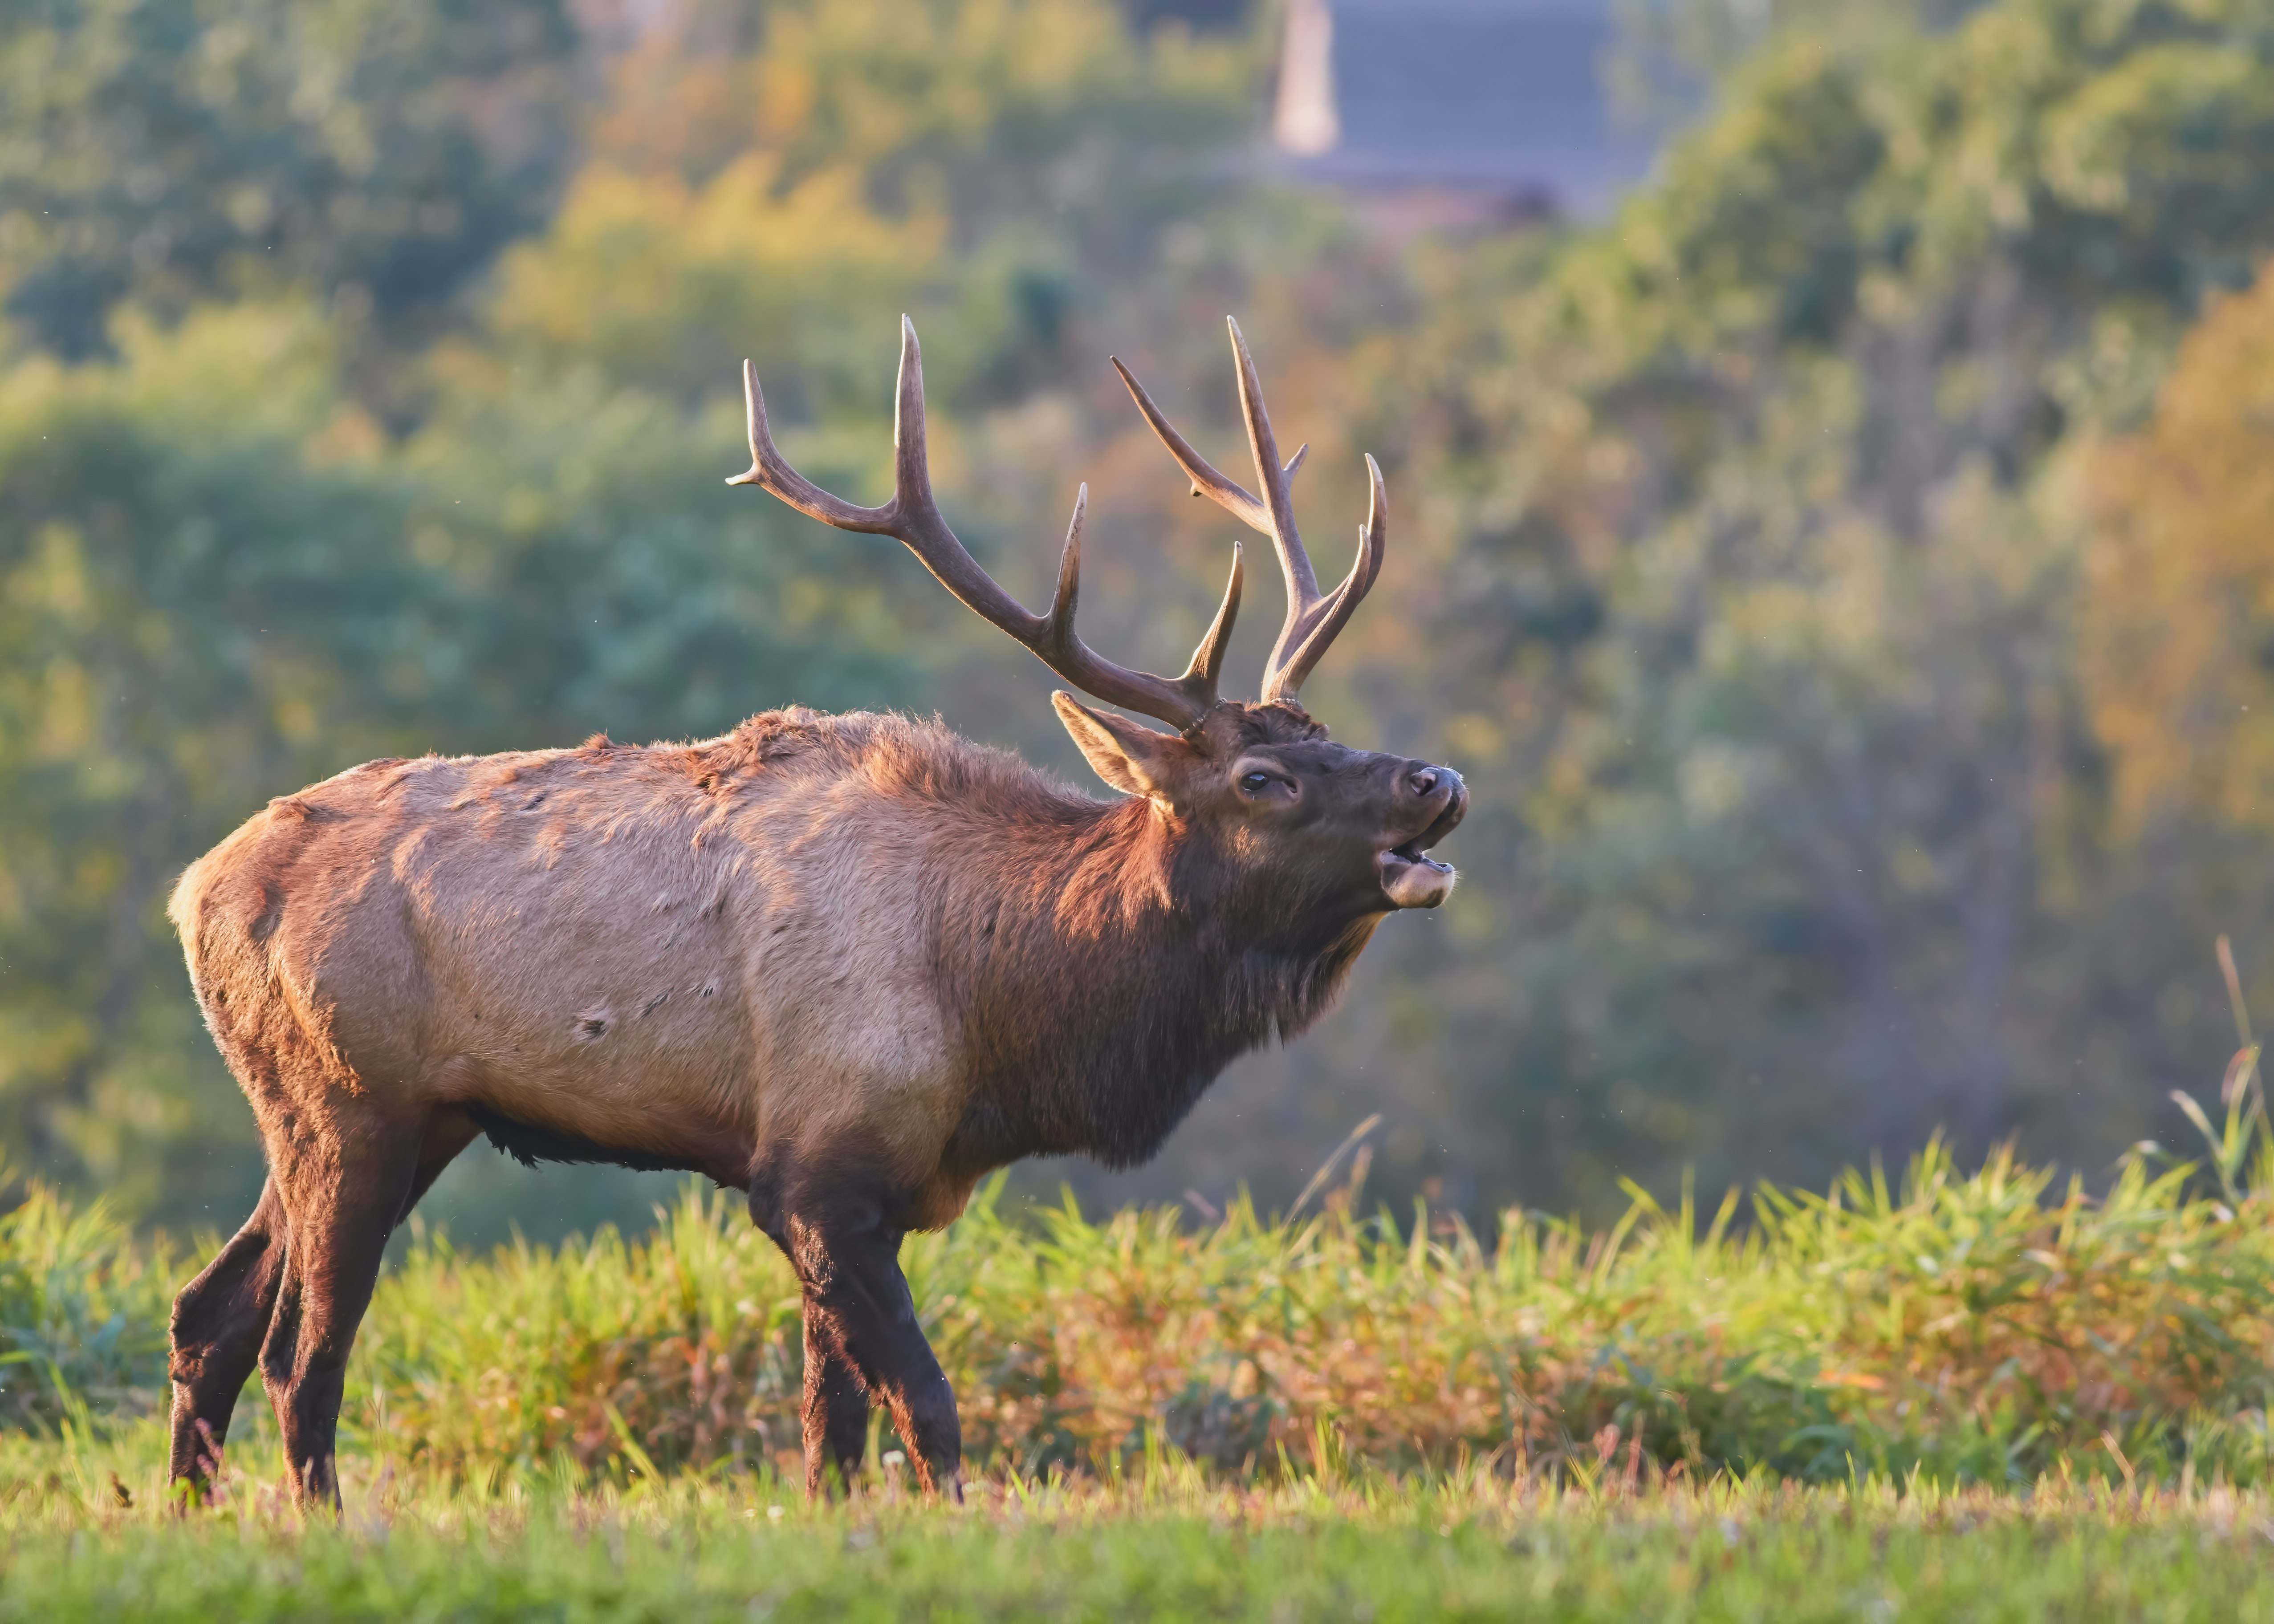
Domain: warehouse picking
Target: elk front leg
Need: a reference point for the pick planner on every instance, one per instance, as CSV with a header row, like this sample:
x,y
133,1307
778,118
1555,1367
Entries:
x,y
836,1409
861,1320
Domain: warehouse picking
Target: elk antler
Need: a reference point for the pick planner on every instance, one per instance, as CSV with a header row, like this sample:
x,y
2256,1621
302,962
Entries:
x,y
914,518
1313,620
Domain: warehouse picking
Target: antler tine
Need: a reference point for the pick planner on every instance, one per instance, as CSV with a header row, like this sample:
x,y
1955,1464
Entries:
x,y
1313,619
770,472
1208,659
1283,676
912,517
1294,562
1206,481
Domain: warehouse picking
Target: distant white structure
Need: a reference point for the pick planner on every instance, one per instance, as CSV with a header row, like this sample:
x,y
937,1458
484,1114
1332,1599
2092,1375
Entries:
x,y
1437,113
1306,121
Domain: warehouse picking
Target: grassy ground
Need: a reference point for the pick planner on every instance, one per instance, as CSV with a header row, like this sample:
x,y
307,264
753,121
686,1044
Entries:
x,y
1983,1327
1164,1540
1970,1395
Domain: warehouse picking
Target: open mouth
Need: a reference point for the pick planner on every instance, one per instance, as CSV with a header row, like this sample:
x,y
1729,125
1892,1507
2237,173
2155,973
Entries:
x,y
1416,850
1412,878
1411,853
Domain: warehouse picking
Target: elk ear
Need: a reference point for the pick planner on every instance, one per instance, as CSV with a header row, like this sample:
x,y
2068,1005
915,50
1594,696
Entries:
x,y
1134,760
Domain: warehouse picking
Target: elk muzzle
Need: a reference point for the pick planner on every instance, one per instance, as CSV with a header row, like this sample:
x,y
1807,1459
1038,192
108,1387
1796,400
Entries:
x,y
1410,878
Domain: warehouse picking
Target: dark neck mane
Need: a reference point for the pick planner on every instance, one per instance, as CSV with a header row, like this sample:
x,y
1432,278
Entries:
x,y
1106,964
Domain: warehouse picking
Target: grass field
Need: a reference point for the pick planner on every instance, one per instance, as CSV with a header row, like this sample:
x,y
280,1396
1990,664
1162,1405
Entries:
x,y
1160,1541
1968,1394
1979,1328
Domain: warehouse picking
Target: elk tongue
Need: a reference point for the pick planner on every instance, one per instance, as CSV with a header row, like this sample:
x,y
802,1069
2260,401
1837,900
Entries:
x,y
1412,880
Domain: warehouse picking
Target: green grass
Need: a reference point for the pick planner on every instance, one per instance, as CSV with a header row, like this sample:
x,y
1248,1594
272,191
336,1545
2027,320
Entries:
x,y
1981,1328
1966,1395
1164,1540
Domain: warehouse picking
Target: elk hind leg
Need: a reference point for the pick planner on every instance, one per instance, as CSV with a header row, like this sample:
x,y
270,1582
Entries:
x,y
219,1322
342,1200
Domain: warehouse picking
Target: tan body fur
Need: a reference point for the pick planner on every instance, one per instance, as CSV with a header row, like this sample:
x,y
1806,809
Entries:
x,y
683,951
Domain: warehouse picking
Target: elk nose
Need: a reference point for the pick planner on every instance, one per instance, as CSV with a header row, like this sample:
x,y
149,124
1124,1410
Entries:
x,y
1426,781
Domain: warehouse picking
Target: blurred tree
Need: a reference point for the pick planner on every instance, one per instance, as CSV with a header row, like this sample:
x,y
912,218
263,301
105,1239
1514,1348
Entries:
x,y
204,600
1756,540
1212,14
1671,55
224,578
1738,546
659,285
1010,164
2181,651
176,150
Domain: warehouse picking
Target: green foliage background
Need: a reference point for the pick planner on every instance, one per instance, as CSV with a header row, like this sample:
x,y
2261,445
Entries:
x,y
368,382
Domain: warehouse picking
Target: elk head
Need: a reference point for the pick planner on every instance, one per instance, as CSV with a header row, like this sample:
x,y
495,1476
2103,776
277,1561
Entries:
x,y
1316,822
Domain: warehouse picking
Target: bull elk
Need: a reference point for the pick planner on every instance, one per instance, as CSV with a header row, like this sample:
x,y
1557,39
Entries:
x,y
848,963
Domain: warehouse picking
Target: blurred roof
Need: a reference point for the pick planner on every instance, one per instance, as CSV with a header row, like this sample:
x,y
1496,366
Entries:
x,y
1501,96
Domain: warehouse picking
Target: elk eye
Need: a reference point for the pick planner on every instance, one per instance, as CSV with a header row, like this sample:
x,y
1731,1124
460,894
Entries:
x,y
1255,783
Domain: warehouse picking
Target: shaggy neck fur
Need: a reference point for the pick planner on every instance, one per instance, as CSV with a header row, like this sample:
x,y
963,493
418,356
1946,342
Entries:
x,y
1106,962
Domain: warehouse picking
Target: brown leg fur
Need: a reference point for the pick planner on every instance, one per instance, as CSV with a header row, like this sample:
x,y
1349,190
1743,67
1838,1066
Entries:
x,y
219,1321
343,1198
836,1412
859,1313
222,1316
